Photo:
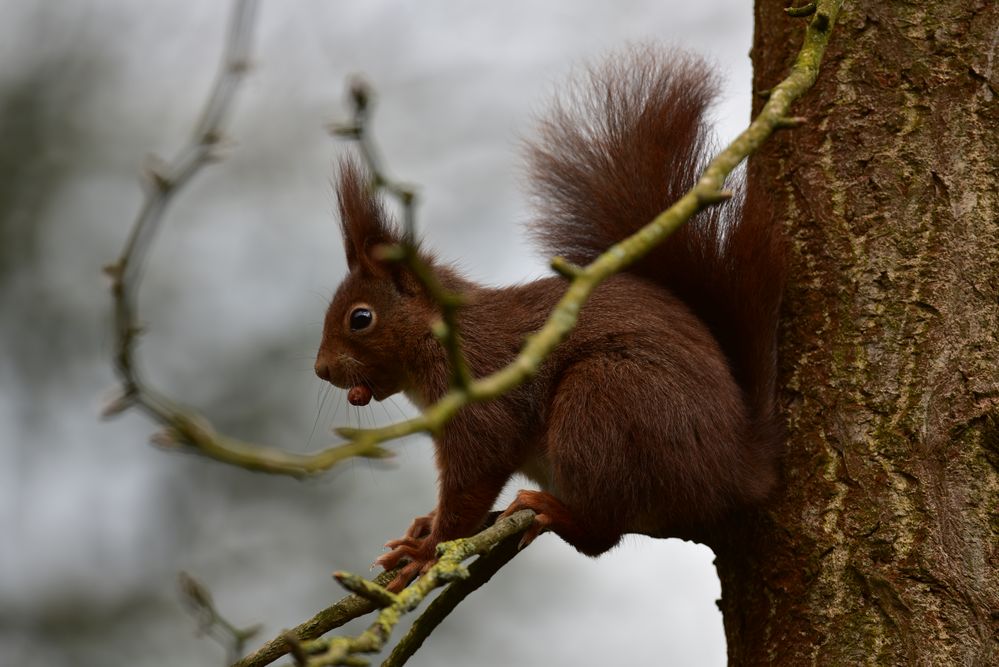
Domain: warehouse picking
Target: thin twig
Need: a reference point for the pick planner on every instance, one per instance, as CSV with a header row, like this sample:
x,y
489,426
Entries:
x,y
185,428
331,618
497,544
362,101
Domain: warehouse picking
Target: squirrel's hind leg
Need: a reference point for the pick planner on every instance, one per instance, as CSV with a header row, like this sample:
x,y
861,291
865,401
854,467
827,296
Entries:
x,y
587,458
622,455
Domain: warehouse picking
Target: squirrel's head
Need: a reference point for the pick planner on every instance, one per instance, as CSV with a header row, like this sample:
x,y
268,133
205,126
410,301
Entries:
x,y
378,325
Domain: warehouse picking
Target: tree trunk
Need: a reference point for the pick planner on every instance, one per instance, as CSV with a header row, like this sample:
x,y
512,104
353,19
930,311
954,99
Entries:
x,y
883,546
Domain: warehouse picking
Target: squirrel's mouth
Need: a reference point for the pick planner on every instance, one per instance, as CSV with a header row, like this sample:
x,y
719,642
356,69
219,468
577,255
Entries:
x,y
338,373
359,394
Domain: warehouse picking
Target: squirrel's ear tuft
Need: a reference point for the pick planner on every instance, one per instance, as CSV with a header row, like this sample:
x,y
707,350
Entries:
x,y
363,220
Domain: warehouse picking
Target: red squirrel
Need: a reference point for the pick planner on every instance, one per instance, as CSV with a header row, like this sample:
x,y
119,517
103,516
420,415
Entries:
x,y
657,414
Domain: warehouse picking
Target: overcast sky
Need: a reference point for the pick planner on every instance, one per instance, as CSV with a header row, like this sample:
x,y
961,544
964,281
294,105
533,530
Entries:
x,y
97,522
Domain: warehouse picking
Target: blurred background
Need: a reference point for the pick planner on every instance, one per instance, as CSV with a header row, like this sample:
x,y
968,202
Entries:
x,y
96,522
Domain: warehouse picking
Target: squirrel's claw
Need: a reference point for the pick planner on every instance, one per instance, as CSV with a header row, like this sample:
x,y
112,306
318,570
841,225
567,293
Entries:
x,y
411,542
420,552
398,554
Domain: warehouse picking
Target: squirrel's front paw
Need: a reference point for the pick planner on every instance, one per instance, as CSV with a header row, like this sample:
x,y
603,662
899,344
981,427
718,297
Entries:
x,y
418,554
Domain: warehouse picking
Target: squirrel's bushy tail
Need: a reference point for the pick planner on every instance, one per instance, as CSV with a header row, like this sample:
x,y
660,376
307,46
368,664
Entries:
x,y
620,149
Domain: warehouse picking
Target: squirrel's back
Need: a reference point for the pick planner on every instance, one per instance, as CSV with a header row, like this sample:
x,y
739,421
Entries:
x,y
620,149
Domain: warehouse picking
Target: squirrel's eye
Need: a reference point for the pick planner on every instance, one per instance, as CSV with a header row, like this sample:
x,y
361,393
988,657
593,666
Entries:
x,y
361,318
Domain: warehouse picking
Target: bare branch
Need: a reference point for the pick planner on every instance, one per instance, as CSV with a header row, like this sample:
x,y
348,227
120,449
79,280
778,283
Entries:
x,y
497,545
331,618
362,99
185,428
345,650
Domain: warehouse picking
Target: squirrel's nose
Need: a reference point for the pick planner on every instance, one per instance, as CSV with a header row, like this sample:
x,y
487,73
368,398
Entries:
x,y
322,370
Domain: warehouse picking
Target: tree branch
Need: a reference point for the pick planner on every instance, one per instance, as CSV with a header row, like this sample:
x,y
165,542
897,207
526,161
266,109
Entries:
x,y
479,573
343,650
331,618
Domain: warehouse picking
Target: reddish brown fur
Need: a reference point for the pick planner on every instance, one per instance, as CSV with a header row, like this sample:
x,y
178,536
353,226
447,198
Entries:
x,y
657,414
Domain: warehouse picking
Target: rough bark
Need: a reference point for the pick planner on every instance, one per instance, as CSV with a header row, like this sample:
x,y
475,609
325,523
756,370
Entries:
x,y
883,547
